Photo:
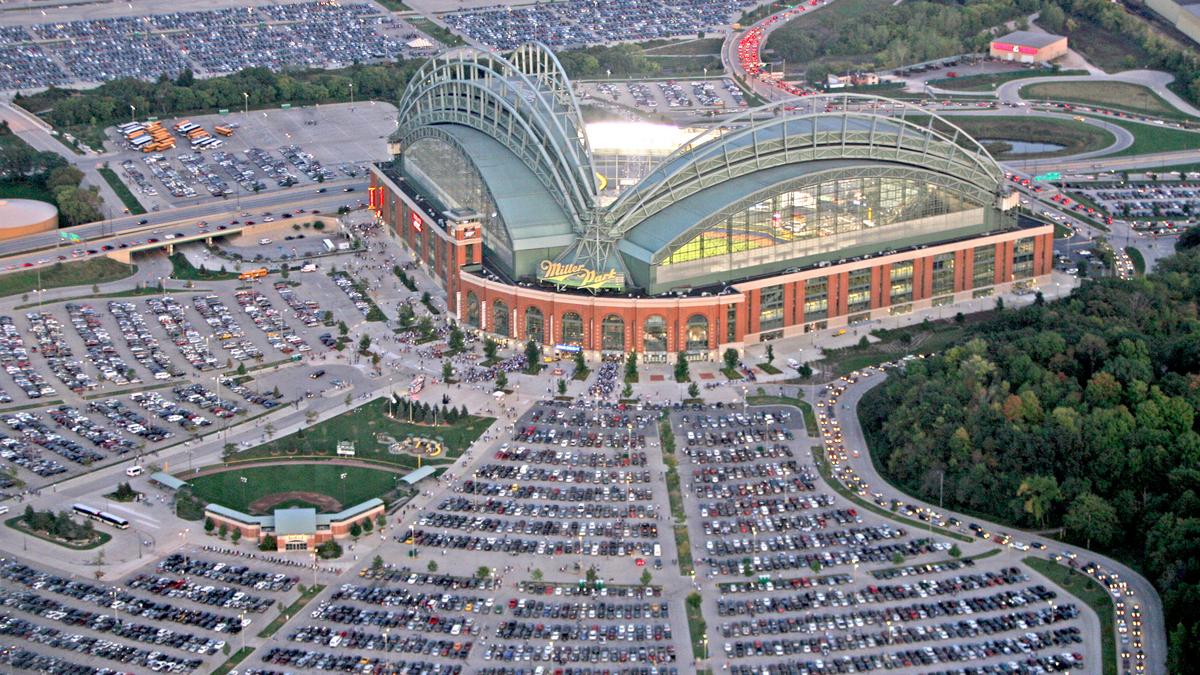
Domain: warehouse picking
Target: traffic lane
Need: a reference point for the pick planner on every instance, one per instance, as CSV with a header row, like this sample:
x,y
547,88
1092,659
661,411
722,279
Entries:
x,y
328,201
1144,592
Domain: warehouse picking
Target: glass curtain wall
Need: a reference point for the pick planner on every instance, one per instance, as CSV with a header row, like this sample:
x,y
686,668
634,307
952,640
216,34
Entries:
x,y
826,216
443,172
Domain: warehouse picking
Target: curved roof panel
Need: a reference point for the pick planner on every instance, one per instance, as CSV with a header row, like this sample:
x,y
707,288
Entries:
x,y
524,102
807,130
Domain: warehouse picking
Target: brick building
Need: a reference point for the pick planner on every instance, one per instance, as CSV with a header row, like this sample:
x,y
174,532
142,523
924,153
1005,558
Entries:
x,y
297,529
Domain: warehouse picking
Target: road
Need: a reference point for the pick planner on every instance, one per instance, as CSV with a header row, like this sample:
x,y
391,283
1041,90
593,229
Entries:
x,y
1144,592
25,249
1157,81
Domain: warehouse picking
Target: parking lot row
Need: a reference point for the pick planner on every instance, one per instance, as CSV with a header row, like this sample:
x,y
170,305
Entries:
x,y
311,35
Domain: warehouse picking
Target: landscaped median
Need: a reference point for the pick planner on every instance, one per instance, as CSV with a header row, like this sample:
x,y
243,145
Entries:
x,y
683,543
1091,594
810,418
97,538
238,656
132,205
292,610
62,274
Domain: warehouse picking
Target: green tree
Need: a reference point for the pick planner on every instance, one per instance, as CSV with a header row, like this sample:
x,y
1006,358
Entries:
x,y
483,572
536,575
364,343
1091,518
533,356
377,563
562,387
241,369
236,536
501,381
355,530
432,567
681,368
447,370
646,577
693,390
489,348
456,340
771,353
631,369
222,530
730,356
627,391
1040,493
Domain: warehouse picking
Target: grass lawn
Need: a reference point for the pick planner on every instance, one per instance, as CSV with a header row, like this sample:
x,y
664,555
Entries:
x,y
17,523
435,31
769,368
227,489
309,593
688,48
1090,593
697,627
132,205
238,656
925,337
395,5
1108,50
810,418
989,81
1062,231
1152,138
731,373
1138,260
182,268
1074,136
62,274
361,425
1120,95
1167,168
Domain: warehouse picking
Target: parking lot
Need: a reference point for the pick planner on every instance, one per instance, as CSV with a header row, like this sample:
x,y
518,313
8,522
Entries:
x,y
268,150
125,377
93,49
667,96
801,580
176,616
578,23
1156,207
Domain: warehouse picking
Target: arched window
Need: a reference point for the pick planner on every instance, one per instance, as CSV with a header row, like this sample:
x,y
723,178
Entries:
x,y
500,318
654,334
533,325
697,333
472,309
612,334
572,329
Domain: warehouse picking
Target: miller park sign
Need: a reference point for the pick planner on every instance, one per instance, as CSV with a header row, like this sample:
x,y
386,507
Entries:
x,y
577,276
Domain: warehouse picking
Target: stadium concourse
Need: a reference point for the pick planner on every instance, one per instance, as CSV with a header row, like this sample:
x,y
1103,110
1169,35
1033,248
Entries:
x,y
799,216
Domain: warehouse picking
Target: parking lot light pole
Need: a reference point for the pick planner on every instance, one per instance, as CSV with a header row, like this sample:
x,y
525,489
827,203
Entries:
x,y
132,111
245,103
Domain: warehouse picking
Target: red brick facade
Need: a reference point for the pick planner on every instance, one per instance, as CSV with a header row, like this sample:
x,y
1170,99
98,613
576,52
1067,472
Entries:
x,y
445,253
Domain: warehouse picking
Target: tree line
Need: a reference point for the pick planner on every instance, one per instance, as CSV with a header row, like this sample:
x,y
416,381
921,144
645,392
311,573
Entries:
x,y
110,102
48,173
873,34
1079,415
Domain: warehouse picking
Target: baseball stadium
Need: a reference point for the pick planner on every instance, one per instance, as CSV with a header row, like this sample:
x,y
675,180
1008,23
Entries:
x,y
805,215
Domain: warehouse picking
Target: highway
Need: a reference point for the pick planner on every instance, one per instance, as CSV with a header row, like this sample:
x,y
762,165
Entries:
x,y
215,211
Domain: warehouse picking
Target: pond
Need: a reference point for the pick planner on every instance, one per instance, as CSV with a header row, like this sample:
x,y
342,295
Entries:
x,y
1023,147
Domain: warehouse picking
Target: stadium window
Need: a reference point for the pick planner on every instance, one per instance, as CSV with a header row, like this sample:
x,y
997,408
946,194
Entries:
x,y
816,299
612,334
858,297
770,314
731,323
697,333
500,318
984,273
572,329
1023,258
472,309
943,273
654,334
534,323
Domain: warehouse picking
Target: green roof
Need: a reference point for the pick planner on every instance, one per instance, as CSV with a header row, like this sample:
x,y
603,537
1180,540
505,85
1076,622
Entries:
x,y
167,480
295,521
533,217
415,476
